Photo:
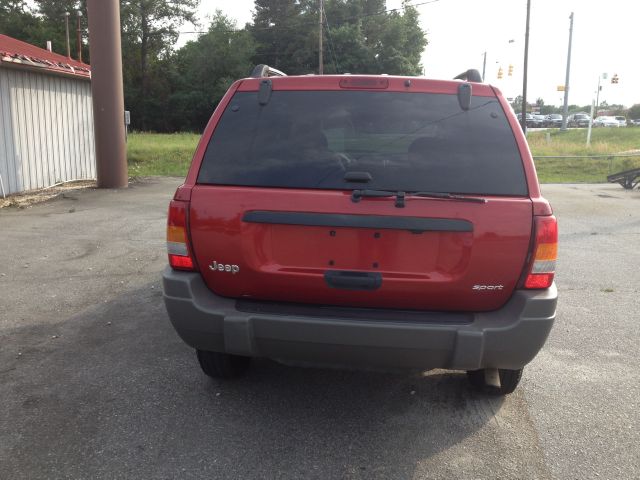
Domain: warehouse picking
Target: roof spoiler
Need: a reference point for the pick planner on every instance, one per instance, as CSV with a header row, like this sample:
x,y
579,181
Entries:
x,y
471,75
261,71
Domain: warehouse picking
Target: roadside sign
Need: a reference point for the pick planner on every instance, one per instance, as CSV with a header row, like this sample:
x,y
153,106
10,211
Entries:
x,y
127,122
561,88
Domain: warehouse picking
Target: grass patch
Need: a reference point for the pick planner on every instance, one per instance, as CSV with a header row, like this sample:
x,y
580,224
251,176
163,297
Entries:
x,y
574,141
581,170
170,154
604,141
161,154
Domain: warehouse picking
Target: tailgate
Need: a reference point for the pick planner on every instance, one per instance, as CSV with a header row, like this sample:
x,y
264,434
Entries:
x,y
318,247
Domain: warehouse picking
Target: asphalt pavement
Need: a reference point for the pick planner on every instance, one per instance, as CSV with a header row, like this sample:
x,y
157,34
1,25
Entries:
x,y
94,382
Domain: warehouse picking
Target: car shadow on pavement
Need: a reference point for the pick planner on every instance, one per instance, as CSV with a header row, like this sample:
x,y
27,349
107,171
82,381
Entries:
x,y
113,392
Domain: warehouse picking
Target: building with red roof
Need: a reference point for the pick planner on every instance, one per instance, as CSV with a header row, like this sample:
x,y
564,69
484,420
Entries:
x,y
24,55
46,118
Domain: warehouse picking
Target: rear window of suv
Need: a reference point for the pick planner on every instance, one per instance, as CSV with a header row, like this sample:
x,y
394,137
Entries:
x,y
405,141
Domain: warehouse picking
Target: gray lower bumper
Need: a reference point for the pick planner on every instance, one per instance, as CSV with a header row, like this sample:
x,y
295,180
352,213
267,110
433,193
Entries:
x,y
506,338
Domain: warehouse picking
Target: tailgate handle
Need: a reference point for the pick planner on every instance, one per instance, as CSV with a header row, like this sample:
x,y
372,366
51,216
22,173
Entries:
x,y
353,280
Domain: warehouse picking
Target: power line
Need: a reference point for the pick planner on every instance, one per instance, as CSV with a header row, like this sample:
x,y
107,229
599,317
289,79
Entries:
x,y
331,47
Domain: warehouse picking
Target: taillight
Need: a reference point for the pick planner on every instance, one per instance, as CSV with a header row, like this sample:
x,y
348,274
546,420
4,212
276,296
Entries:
x,y
545,252
177,240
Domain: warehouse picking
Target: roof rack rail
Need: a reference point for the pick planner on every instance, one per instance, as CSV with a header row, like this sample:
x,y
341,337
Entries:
x,y
260,71
471,75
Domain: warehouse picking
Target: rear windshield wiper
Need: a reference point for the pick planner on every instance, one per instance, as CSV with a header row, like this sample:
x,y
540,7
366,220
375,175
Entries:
x,y
449,196
358,195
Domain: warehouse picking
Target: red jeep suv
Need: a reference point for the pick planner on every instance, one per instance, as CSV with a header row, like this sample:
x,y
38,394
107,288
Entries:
x,y
363,220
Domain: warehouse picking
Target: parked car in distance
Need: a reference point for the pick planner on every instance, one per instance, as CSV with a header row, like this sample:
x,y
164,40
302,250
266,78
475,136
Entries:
x,y
606,121
578,120
553,120
635,122
363,221
533,121
621,120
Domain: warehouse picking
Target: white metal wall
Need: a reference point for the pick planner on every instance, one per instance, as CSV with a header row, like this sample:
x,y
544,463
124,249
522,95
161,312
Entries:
x,y
46,130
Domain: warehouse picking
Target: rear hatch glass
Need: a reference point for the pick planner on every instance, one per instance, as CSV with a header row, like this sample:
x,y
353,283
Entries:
x,y
406,141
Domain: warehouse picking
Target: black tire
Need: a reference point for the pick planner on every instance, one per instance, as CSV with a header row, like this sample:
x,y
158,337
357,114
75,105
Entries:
x,y
509,380
222,365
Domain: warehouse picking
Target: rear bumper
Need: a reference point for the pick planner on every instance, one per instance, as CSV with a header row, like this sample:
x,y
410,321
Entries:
x,y
506,338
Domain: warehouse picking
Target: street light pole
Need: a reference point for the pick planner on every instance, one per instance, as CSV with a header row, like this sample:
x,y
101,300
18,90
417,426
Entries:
x,y
66,26
565,109
598,92
523,120
79,36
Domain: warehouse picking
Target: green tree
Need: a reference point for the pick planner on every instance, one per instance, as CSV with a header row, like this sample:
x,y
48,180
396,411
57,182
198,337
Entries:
x,y
401,42
359,37
19,21
52,13
517,104
281,32
549,109
634,111
8,6
149,31
204,69
55,9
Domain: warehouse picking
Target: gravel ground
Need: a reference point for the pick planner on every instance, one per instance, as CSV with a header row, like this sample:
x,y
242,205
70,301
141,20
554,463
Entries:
x,y
94,383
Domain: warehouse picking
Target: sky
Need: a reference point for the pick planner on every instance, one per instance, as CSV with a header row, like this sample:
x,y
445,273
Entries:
x,y
605,41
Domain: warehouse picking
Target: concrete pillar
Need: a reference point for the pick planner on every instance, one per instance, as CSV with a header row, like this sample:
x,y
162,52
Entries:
x,y
107,91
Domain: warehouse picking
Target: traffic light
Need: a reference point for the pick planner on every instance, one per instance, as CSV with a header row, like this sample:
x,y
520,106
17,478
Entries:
x,y
615,78
500,73
510,71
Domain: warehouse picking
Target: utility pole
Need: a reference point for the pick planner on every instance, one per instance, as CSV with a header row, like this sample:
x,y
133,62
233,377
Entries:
x,y
598,94
590,124
107,92
320,59
79,36
66,25
600,77
565,108
523,119
484,66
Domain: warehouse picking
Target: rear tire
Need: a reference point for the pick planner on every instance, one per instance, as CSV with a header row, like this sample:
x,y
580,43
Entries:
x,y
222,365
509,380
